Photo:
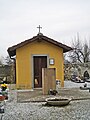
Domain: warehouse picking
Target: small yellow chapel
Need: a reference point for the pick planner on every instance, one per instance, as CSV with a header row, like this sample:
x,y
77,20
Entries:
x,y
34,54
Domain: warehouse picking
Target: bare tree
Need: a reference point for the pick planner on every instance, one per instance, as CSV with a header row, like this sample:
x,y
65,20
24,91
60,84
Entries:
x,y
86,53
81,52
8,60
1,60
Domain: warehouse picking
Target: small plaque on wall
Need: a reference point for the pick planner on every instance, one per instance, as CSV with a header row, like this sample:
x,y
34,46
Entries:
x,y
51,61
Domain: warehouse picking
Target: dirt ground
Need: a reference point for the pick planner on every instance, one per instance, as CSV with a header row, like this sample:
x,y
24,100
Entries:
x,y
37,95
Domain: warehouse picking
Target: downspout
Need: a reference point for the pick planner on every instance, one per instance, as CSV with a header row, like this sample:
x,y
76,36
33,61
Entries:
x,y
14,67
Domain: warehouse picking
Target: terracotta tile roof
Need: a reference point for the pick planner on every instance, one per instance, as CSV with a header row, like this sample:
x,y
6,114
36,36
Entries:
x,y
39,37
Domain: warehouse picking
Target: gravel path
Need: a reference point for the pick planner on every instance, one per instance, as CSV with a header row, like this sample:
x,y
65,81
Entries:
x,y
76,110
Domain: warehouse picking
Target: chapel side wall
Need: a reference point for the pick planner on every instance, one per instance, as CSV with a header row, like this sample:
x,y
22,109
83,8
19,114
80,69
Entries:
x,y
24,62
23,70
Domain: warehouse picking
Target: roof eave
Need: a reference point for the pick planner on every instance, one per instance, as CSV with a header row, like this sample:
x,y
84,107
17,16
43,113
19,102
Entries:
x,y
12,50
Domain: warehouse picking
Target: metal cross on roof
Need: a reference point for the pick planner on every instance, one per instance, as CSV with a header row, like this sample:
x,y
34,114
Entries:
x,y
39,28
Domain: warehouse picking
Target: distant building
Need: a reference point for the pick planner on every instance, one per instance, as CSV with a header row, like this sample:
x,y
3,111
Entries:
x,y
5,71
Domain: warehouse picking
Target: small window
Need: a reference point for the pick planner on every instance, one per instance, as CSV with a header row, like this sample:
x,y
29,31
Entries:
x,y
51,61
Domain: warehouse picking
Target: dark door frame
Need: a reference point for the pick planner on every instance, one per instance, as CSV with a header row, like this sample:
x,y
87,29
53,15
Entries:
x,y
33,66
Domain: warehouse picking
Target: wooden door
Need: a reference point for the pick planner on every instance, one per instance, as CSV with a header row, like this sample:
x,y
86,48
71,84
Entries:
x,y
39,63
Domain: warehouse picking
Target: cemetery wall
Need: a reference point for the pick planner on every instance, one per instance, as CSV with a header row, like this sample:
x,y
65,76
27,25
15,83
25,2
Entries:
x,y
79,69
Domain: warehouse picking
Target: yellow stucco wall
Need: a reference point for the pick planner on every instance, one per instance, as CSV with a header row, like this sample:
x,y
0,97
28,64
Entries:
x,y
24,60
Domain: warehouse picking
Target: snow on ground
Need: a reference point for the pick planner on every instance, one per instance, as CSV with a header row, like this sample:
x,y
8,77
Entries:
x,y
70,84
76,110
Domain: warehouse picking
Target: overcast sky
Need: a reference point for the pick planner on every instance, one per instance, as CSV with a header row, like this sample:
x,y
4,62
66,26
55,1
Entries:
x,y
60,20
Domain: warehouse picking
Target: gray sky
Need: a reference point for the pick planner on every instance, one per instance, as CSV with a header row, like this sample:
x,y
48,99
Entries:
x,y
60,20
